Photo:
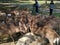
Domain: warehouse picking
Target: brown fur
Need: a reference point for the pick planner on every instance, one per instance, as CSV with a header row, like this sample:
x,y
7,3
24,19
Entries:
x,y
40,25
44,28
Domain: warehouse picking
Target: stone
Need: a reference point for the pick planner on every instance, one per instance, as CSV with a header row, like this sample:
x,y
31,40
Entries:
x,y
31,39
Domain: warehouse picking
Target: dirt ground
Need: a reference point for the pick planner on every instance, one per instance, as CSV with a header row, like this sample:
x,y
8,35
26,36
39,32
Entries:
x,y
10,43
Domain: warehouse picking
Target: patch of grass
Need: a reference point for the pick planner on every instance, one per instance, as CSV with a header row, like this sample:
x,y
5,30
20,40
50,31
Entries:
x,y
57,14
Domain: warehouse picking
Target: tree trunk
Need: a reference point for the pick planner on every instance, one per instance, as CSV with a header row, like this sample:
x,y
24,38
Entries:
x,y
45,1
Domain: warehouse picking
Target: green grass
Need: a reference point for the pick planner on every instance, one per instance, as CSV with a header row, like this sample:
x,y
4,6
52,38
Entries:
x,y
57,14
29,5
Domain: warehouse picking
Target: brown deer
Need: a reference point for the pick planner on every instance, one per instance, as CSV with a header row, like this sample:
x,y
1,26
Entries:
x,y
43,28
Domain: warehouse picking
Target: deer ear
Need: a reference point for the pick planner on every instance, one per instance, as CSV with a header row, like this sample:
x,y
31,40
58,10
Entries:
x,y
29,18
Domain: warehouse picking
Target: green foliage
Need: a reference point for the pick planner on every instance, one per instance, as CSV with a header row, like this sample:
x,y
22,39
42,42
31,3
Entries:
x,y
4,1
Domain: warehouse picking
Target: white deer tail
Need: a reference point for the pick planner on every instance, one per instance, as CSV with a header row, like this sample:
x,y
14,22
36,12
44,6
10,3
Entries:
x,y
56,41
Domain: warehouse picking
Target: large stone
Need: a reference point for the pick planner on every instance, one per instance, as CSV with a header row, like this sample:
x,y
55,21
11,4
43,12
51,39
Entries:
x,y
31,39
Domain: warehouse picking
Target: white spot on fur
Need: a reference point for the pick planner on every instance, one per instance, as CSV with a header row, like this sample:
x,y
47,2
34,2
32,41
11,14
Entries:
x,y
9,14
29,34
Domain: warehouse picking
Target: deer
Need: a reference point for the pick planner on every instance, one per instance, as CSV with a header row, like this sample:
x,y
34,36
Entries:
x,y
42,27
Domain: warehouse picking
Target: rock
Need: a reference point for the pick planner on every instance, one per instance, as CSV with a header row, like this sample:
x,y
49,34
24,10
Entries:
x,y
31,39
